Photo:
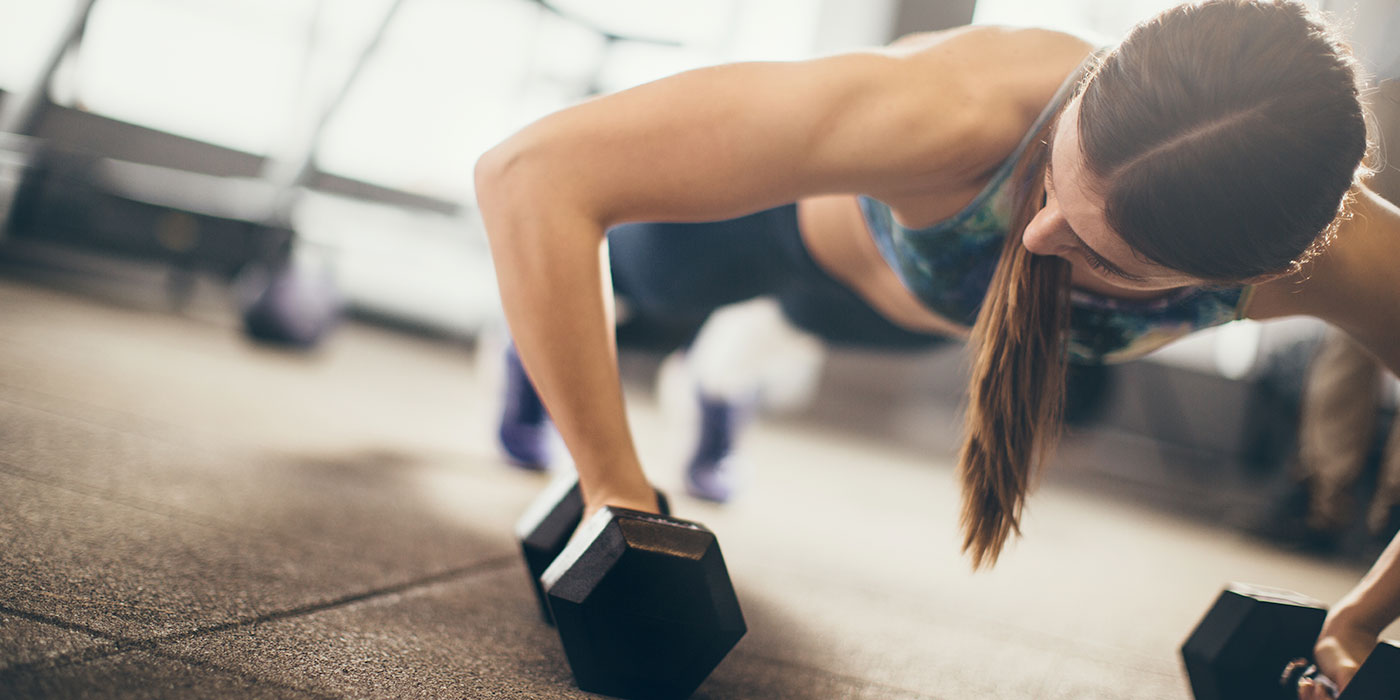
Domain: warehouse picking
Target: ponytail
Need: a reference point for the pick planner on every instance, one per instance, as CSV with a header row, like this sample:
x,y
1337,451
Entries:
x,y
1018,376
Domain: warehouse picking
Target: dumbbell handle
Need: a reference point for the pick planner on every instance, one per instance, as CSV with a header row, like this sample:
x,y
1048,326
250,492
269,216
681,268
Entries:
x,y
1299,670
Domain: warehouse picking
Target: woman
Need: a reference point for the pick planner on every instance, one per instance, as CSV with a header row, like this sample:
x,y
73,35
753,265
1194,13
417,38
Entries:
x,y
1004,184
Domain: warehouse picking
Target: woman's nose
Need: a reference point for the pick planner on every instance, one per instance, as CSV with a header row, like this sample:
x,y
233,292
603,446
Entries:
x,y
1047,233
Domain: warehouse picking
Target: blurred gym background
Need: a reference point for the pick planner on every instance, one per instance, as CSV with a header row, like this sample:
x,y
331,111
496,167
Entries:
x,y
292,162
389,102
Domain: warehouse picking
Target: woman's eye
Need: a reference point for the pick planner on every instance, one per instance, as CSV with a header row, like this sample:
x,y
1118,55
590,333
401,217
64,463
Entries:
x,y
1098,264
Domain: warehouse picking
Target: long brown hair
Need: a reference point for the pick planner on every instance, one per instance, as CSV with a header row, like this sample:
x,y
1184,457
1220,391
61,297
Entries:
x,y
1018,375
1224,138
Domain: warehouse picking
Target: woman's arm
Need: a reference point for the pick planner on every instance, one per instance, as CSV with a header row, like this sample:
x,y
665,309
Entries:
x,y
707,144
1354,624
1355,285
703,145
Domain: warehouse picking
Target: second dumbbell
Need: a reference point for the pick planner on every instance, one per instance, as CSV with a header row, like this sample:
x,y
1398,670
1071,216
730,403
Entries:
x,y
1254,644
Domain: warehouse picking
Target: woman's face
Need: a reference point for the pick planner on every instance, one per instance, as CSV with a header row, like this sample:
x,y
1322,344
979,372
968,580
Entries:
x,y
1072,225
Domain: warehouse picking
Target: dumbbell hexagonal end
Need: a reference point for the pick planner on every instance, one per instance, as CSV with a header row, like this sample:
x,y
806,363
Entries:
x,y
1241,646
545,528
644,605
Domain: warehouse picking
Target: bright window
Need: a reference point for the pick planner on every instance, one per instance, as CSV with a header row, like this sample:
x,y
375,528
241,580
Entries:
x,y
450,78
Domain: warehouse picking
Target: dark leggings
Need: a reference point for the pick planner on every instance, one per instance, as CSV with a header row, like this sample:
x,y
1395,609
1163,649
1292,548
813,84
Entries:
x,y
686,271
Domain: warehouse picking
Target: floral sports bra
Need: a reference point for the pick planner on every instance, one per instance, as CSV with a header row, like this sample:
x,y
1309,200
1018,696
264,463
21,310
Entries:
x,y
949,267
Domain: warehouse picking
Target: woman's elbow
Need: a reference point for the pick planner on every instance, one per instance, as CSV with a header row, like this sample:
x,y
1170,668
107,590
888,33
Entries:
x,y
514,178
505,190
491,175
529,218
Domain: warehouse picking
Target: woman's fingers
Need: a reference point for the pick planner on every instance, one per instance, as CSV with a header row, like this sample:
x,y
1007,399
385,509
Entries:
x,y
1311,690
1339,654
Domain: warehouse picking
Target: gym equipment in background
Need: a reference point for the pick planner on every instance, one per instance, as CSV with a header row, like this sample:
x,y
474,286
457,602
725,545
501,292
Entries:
x,y
592,83
643,602
238,229
1254,644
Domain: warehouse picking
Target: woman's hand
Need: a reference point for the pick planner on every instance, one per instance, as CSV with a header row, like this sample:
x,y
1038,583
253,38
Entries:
x,y
1339,653
643,499
594,501
1353,627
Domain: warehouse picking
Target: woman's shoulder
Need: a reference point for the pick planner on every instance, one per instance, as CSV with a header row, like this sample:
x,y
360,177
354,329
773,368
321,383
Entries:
x,y
1001,64
1362,264
1022,69
1353,284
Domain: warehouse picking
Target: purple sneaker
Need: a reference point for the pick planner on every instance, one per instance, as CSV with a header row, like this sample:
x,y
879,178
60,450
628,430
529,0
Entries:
x,y
525,428
712,473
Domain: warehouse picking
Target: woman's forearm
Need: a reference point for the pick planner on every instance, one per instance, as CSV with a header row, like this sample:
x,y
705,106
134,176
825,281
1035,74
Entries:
x,y
557,298
1375,602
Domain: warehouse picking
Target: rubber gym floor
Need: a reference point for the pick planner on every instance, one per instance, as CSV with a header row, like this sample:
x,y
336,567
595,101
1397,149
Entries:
x,y
186,514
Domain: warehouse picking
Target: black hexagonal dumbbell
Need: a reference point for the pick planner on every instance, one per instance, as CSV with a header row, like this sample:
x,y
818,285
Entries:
x,y
546,526
1254,644
643,604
